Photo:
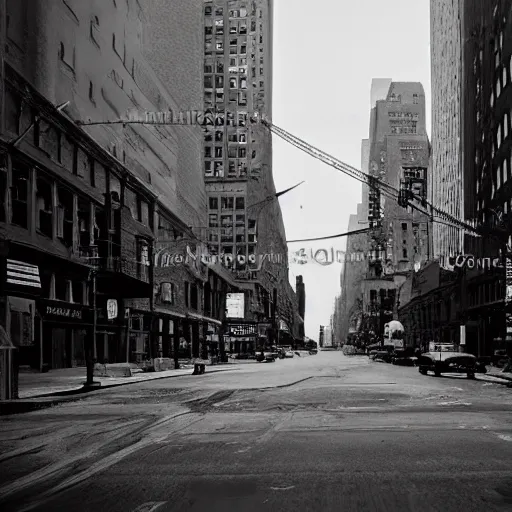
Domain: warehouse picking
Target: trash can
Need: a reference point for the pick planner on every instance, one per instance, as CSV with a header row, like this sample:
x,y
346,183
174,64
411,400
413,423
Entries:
x,y
8,367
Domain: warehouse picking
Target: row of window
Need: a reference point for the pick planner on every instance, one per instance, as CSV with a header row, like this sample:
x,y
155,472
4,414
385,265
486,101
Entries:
x,y
60,148
215,169
226,203
503,79
400,115
502,131
217,82
232,152
237,11
232,118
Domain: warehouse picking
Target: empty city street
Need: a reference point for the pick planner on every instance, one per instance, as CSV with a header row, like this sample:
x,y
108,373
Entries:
x,y
326,432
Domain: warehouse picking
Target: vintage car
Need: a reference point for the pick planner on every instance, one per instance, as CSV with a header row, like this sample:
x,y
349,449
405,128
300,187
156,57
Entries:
x,y
404,357
446,359
265,357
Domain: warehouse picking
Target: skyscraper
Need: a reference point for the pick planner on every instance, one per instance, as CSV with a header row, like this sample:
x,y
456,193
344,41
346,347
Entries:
x,y
446,174
242,223
399,156
487,163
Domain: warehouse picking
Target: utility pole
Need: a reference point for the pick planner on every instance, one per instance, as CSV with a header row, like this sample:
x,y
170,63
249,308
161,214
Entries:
x,y
90,349
275,327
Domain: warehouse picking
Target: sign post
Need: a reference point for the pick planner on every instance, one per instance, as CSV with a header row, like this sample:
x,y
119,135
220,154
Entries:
x,y
508,301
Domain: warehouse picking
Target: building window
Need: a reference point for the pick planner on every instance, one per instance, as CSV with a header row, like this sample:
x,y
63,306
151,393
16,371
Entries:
x,y
227,203
194,297
214,203
186,292
404,253
19,195
213,220
167,293
240,203
143,260
44,207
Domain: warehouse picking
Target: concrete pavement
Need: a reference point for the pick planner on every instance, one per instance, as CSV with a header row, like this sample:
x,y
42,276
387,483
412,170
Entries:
x,y
328,432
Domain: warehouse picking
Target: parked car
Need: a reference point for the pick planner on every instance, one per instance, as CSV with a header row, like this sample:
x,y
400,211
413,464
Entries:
x,y
383,356
448,360
404,357
265,357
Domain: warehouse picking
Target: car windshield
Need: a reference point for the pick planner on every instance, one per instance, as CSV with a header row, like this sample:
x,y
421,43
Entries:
x,y
444,348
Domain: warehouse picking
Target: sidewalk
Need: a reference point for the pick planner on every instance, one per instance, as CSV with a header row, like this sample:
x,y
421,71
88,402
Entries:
x,y
70,380
495,375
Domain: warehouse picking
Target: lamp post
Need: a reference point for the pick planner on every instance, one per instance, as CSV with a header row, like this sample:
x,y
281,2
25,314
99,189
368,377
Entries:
x,y
90,349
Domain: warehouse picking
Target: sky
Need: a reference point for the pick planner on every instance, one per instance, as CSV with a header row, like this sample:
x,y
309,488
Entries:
x,y
325,56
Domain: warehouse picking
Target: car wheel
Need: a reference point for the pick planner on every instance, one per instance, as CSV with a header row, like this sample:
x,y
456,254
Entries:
x,y
423,370
471,375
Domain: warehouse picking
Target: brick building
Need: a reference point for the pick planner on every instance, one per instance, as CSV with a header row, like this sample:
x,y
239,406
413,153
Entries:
x,y
104,197
242,223
446,185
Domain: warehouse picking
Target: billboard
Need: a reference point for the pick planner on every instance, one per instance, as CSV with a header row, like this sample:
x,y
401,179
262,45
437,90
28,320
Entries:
x,y
235,305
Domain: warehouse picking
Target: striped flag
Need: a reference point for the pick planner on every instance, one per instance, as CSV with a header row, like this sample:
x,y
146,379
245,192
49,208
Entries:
x,y
23,274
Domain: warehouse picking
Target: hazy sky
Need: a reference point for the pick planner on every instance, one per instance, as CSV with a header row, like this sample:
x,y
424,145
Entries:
x,y
325,56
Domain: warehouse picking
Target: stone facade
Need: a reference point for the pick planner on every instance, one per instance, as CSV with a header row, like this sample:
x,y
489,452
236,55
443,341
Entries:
x,y
446,175
106,59
237,79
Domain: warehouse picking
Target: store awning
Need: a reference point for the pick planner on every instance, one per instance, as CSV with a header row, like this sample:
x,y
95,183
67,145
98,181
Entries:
x,y
22,278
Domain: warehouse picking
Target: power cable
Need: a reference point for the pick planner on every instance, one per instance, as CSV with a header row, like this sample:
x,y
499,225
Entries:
x,y
356,232
369,180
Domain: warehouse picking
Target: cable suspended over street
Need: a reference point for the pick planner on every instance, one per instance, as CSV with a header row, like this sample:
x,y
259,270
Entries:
x,y
369,180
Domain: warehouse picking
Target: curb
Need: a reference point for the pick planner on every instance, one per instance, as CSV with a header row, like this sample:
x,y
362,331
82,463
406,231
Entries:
x,y
504,381
35,403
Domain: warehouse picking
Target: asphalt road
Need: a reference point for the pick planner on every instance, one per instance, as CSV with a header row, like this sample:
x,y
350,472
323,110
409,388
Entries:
x,y
323,433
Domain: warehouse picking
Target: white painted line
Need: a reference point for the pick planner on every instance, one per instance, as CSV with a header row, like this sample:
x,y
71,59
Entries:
x,y
150,506
283,488
505,438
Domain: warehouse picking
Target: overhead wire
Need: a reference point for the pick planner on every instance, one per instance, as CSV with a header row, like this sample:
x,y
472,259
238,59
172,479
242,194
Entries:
x,y
369,180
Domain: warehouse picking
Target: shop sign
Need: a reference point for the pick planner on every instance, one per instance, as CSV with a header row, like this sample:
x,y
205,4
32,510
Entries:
x,y
63,311
111,309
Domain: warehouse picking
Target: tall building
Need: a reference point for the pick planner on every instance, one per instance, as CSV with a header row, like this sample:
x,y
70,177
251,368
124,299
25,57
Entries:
x,y
98,201
399,240
446,174
238,156
487,164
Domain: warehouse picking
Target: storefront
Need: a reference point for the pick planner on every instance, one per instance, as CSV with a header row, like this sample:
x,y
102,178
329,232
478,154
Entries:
x,y
22,287
241,338
61,330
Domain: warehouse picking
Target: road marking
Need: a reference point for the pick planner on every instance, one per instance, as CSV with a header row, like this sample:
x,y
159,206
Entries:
x,y
282,488
150,506
505,438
